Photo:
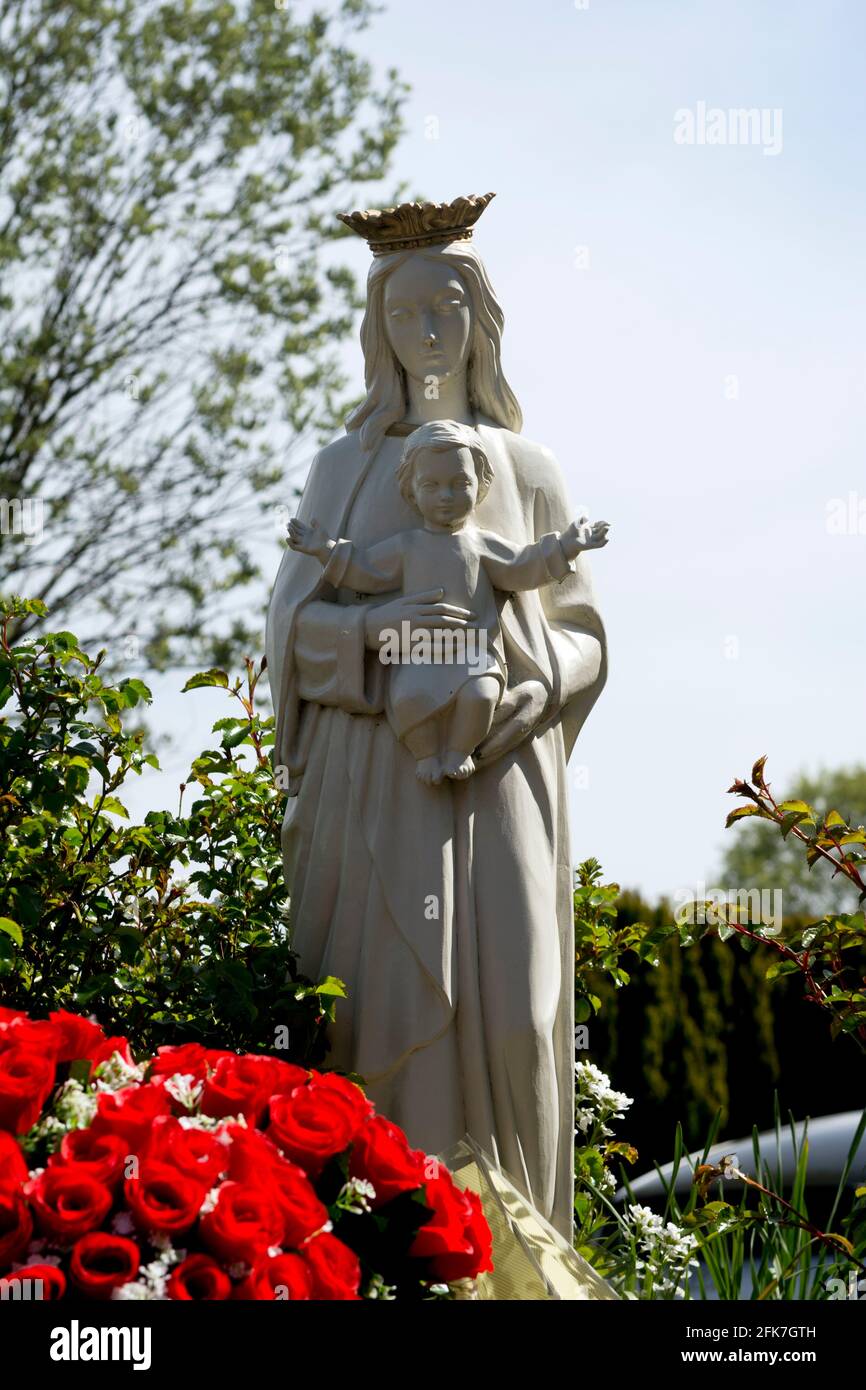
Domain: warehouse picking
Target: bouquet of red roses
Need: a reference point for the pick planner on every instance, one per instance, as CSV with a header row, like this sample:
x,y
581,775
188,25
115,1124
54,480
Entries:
x,y
199,1174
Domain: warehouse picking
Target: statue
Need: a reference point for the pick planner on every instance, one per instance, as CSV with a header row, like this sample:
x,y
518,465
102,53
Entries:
x,y
442,705
425,838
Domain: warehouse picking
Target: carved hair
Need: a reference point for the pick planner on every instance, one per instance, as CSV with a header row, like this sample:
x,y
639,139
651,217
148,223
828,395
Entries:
x,y
386,400
440,436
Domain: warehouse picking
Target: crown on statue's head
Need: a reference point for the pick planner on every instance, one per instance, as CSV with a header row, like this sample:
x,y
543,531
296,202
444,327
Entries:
x,y
417,224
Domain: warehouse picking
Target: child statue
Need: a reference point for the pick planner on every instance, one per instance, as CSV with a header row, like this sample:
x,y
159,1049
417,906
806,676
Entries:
x,y
442,705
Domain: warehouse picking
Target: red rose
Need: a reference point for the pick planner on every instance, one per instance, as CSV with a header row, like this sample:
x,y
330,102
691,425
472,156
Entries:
x,y
13,1165
456,1240
105,1050
302,1212
332,1081
287,1076
76,1037
26,1079
243,1225
281,1277
101,1263
16,1224
194,1152
37,1035
103,1156
162,1200
130,1113
242,1085
335,1269
199,1279
382,1156
47,1282
189,1059
68,1202
251,1155
254,1160
317,1121
8,1016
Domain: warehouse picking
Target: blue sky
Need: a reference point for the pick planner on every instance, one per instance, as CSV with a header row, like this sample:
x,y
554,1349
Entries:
x,y
684,328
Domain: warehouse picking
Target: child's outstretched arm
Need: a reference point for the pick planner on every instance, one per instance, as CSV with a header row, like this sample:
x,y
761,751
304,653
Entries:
x,y
583,535
512,568
311,539
377,570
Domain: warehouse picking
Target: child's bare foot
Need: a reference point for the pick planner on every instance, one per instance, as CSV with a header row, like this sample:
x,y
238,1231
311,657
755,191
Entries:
x,y
458,765
429,771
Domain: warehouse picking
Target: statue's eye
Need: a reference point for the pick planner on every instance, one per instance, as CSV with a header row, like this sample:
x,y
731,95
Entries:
x,y
399,313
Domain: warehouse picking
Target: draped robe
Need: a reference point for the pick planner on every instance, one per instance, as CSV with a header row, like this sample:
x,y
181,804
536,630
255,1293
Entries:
x,y
447,911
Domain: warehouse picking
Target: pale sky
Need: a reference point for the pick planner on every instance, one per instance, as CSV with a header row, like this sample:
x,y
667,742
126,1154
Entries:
x,y
684,328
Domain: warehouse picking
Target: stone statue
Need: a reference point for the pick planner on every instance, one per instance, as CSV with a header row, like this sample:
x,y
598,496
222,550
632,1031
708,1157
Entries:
x,y
425,839
441,703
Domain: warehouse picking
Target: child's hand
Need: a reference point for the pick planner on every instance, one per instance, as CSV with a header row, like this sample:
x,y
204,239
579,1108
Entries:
x,y
310,539
581,535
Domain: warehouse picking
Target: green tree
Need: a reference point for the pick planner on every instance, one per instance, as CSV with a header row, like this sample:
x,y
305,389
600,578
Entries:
x,y
756,855
169,931
170,311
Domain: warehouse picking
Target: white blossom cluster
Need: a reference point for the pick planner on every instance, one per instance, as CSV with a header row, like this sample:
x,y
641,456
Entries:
x,y
116,1073
596,1101
356,1196
152,1282
667,1250
185,1090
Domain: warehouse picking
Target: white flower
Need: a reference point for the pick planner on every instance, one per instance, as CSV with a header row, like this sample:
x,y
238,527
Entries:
x,y
212,1122
668,1250
135,1289
122,1223
356,1195
185,1090
117,1073
594,1086
210,1201
377,1288
75,1105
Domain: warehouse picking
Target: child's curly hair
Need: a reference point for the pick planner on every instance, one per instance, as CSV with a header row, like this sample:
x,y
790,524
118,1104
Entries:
x,y
441,435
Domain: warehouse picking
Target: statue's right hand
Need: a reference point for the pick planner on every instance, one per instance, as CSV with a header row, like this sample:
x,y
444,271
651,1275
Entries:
x,y
419,610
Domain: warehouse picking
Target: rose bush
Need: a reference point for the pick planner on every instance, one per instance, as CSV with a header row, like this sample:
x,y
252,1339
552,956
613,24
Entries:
x,y
201,1175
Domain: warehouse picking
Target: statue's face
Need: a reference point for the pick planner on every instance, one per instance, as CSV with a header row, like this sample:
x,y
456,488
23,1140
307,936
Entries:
x,y
445,485
428,319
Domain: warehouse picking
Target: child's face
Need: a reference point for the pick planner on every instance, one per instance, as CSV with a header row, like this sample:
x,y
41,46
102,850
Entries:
x,y
445,485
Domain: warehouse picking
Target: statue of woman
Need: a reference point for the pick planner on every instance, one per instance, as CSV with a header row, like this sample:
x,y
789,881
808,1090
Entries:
x,y
446,909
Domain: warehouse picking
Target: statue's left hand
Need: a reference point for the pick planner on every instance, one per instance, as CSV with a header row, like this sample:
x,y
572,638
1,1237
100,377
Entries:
x,y
517,714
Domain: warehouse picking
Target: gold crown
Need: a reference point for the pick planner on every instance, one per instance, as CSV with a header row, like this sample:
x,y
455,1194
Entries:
x,y
417,224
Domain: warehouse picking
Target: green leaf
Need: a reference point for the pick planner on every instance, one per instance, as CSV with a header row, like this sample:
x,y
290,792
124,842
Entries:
x,y
212,677
782,967
789,820
331,985
741,812
11,929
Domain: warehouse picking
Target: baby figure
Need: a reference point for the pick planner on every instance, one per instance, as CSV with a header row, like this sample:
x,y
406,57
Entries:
x,y
442,704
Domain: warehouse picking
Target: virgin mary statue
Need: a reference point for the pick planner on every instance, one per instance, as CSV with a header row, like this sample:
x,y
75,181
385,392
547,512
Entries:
x,y
446,910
